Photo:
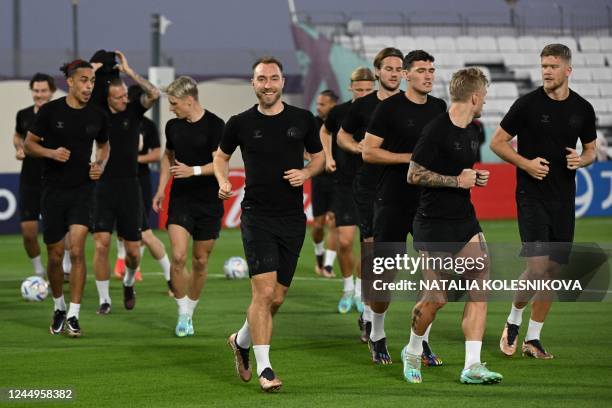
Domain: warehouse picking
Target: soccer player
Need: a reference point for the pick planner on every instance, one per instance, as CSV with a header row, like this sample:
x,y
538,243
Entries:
x,y
547,123
118,197
149,152
387,69
445,224
323,187
42,87
272,136
63,135
393,132
194,210
344,208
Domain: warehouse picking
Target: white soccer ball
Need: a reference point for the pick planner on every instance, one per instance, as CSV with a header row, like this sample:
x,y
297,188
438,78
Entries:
x,y
34,289
235,268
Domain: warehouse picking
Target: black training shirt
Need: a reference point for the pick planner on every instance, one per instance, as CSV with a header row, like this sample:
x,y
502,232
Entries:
x,y
31,167
150,140
346,162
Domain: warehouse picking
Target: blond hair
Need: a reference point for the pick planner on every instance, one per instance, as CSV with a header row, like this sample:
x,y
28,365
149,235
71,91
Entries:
x,y
183,86
362,74
465,83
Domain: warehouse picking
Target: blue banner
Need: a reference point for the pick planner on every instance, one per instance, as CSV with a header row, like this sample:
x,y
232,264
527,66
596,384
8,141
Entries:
x,y
594,190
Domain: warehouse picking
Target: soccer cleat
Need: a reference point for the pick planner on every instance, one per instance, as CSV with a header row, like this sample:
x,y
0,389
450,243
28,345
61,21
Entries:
x,y
241,358
319,265
268,381
412,367
129,297
58,322
359,306
73,329
380,354
170,289
534,348
428,357
182,326
190,330
328,271
366,329
138,275
479,374
104,309
346,303
508,343
120,268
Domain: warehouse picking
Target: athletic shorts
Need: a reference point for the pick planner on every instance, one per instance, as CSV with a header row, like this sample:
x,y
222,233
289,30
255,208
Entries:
x,y
273,244
62,207
364,202
119,204
323,187
546,228
147,200
392,223
201,219
344,207
29,203
441,235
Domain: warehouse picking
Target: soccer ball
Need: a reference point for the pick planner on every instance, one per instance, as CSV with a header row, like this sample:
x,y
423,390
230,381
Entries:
x,y
235,268
34,289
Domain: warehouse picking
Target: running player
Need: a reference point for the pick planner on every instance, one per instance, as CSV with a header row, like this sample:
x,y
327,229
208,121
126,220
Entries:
x,y
63,135
393,132
272,136
547,123
445,224
195,210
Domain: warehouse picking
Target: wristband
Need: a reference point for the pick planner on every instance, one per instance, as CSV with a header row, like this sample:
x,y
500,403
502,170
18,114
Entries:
x,y
197,170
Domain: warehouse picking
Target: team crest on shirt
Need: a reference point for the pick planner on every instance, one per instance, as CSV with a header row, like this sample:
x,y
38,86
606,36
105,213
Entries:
x,y
575,121
457,145
125,123
59,124
257,134
474,146
410,123
545,118
294,133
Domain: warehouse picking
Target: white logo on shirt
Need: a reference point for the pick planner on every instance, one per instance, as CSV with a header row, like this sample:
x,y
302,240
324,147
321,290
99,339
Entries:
x,y
59,125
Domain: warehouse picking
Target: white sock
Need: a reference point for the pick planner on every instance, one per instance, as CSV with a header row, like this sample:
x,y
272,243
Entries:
x,y
59,303
319,249
130,276
103,291
533,330
378,326
191,305
367,313
357,287
262,355
182,305
415,344
472,353
142,249
120,250
38,267
165,264
243,339
349,285
426,335
330,257
66,262
73,310
515,316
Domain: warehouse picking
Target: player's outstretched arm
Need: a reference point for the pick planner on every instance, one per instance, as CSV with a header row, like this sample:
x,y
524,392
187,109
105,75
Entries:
x,y
346,142
373,153
221,170
151,93
326,141
420,176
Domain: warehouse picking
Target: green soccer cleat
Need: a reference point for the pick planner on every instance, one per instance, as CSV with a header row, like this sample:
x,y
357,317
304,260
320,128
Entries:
x,y
359,306
190,331
412,367
479,374
182,327
346,303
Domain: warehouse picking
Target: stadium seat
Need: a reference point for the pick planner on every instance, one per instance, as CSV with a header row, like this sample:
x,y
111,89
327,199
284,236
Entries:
x,y
581,75
605,90
586,90
486,44
570,42
498,106
578,59
507,44
601,74
604,119
425,43
449,60
376,43
589,44
527,44
466,43
446,44
405,43
520,59
594,60
477,58
535,74
503,90
544,41
600,105
605,44
444,74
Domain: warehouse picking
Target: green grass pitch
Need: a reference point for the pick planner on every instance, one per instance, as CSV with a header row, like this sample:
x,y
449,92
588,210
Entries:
x,y
133,359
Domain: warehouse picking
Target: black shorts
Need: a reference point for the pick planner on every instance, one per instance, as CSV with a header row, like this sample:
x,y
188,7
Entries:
x,y
201,219
364,201
147,200
546,228
119,204
62,207
323,187
344,207
29,202
392,223
273,244
440,235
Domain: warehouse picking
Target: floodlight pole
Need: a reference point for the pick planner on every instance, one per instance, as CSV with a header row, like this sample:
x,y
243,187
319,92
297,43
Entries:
x,y
17,38
156,58
75,29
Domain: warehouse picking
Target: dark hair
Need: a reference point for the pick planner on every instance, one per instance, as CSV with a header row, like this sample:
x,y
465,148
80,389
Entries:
x,y
557,50
40,77
330,94
70,68
267,60
416,55
116,81
134,93
386,52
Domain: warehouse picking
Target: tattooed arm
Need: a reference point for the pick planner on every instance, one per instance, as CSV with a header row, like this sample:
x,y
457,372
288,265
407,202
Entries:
x,y
151,93
420,176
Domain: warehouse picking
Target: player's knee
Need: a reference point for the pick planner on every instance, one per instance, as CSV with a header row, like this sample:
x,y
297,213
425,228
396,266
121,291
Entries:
x,y
345,244
200,261
179,258
102,247
264,296
55,256
132,255
77,255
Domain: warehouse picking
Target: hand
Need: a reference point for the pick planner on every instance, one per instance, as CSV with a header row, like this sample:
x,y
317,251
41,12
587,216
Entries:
x,y
482,177
225,190
140,158
158,201
296,177
96,65
181,170
573,159
330,165
19,154
537,168
467,179
61,154
95,171
358,148
122,66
